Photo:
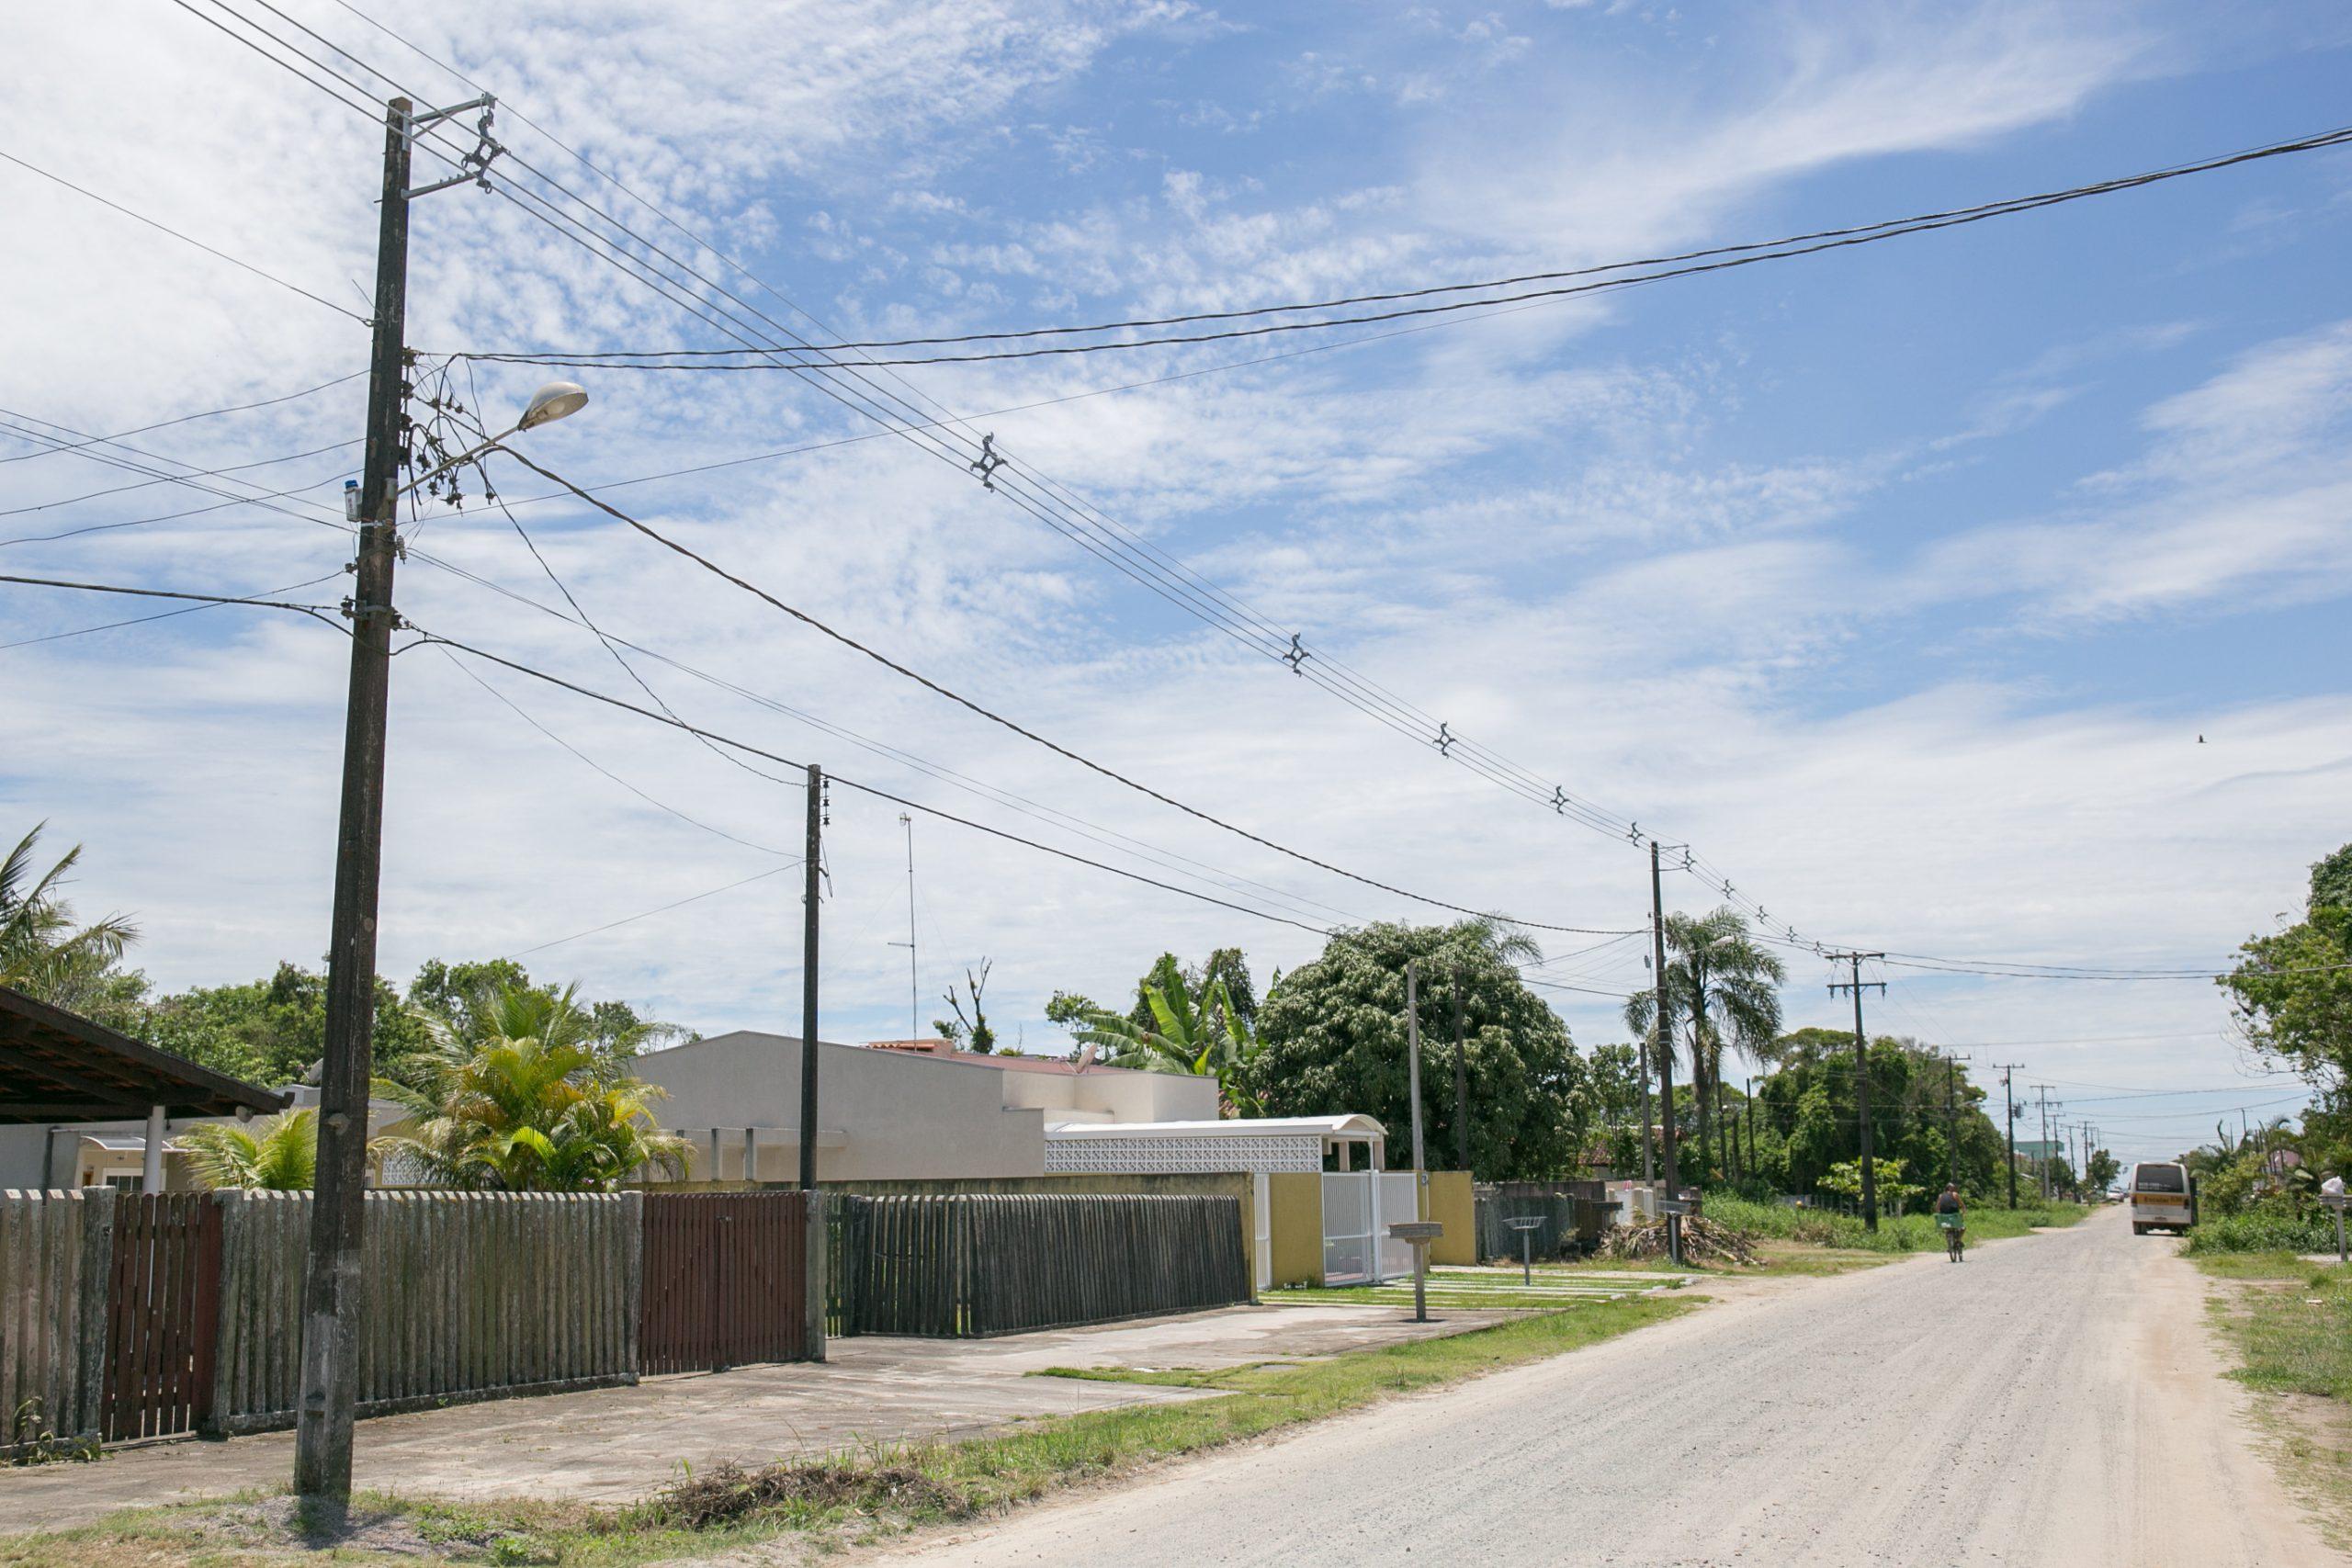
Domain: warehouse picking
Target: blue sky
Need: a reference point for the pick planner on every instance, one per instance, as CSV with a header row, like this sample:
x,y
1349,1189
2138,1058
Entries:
x,y
1901,581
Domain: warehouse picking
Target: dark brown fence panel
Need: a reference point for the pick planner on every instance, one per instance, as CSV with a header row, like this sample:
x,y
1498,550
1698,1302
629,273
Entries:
x,y
952,1267
726,1281
162,1316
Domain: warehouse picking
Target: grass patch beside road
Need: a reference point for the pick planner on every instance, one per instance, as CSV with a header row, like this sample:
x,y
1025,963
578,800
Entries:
x,y
2289,1323
1895,1232
847,1497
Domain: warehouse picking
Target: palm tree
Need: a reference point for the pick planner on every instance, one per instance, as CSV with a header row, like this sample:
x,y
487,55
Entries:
x,y
1723,988
276,1154
41,952
1204,1035
525,1102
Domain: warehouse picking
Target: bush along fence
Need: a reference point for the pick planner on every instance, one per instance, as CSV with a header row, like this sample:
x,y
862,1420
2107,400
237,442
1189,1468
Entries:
x,y
967,1266
1573,1213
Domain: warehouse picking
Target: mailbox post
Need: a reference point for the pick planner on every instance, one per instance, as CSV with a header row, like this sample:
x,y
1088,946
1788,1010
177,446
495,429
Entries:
x,y
1526,1226
1418,1234
2331,1193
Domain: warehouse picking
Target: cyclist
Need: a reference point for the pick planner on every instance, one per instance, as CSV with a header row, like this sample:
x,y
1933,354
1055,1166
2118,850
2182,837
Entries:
x,y
1954,1221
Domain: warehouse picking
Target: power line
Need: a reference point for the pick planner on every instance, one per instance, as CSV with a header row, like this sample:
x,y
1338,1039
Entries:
x,y
319,613
184,239
879,794
960,699
657,910
197,473
186,418
1727,257
167,615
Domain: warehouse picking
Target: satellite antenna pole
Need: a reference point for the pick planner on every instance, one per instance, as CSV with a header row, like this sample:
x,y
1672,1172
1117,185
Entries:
x,y
914,985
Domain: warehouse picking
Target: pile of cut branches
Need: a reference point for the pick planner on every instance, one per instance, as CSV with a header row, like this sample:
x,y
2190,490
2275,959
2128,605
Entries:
x,y
1704,1241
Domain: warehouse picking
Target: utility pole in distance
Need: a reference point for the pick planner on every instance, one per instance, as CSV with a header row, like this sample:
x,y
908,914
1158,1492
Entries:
x,y
2041,1092
2010,1123
814,850
1665,1025
1952,1121
1461,1080
331,1286
1861,1074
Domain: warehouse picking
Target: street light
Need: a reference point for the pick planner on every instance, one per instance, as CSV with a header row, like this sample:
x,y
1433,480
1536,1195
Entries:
x,y
549,403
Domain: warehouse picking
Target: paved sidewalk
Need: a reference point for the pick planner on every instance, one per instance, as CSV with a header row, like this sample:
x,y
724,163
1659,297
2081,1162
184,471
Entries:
x,y
615,1444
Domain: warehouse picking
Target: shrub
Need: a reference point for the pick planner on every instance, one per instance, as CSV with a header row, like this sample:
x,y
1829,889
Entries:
x,y
2265,1232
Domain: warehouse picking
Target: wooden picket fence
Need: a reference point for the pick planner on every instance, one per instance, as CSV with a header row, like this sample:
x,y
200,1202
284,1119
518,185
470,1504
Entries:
x,y
162,1315
471,1296
726,1281
968,1264
53,1295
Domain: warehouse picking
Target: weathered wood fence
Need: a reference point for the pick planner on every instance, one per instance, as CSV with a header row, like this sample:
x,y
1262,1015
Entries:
x,y
966,1265
470,1296
726,1281
162,1315
53,1296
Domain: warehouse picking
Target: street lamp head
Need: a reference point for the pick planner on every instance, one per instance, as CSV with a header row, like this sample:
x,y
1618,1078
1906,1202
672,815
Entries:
x,y
553,401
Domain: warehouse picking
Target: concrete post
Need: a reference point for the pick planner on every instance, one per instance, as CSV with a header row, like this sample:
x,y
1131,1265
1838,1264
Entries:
x,y
151,1172
818,1283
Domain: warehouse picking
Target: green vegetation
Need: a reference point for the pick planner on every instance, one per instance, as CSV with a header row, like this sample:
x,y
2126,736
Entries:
x,y
2264,1231
1197,1029
530,1100
2290,1325
1723,990
850,1495
42,951
1334,1041
1895,1232
276,1154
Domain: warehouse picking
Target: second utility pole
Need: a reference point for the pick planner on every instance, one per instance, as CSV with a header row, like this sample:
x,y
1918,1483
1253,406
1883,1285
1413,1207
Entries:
x,y
814,850
1861,1076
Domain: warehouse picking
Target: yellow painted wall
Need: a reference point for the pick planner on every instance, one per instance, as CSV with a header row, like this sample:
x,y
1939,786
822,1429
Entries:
x,y
1296,1202
1452,1206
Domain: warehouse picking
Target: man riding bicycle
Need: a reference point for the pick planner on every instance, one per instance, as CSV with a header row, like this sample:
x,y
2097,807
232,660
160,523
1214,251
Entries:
x,y
1954,1221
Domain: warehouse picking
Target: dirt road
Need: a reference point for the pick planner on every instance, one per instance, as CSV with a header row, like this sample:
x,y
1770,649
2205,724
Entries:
x,y
2054,1400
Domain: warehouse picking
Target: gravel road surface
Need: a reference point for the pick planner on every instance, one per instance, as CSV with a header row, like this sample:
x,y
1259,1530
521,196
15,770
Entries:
x,y
2055,1400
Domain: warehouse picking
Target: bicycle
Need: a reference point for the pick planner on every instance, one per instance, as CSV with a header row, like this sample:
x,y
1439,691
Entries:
x,y
1955,1228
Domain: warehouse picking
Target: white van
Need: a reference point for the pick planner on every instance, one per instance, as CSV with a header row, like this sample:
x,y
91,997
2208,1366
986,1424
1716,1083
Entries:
x,y
2162,1197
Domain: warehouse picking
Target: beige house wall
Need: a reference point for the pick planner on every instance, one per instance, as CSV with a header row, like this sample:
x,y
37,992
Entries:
x,y
1453,1205
880,1116
1105,1094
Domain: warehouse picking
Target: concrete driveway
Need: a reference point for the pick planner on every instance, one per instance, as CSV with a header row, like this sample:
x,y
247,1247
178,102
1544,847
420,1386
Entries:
x,y
617,1444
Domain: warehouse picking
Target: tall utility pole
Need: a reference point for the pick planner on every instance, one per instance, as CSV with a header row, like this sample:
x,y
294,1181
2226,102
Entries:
x,y
814,850
2041,1092
2009,1125
1861,1074
1665,1025
1952,1121
1461,1080
331,1289
1649,1173
1747,1087
914,985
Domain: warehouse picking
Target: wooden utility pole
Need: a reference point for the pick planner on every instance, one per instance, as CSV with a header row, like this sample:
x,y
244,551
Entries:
x,y
1747,1087
1461,1080
812,872
1665,1025
1952,1121
1861,1074
2009,1125
332,1286
2041,1091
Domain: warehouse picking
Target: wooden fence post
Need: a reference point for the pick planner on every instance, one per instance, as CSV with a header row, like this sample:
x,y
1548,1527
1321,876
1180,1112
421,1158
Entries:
x,y
97,1284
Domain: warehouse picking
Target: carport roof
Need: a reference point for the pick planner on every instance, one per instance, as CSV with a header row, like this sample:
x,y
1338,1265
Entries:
x,y
58,1066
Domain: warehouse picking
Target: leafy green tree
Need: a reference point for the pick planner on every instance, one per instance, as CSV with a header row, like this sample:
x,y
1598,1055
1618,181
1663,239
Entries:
x,y
2101,1169
2291,994
271,1031
968,1032
1806,1124
529,1102
44,953
1334,1042
2332,881
1722,989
